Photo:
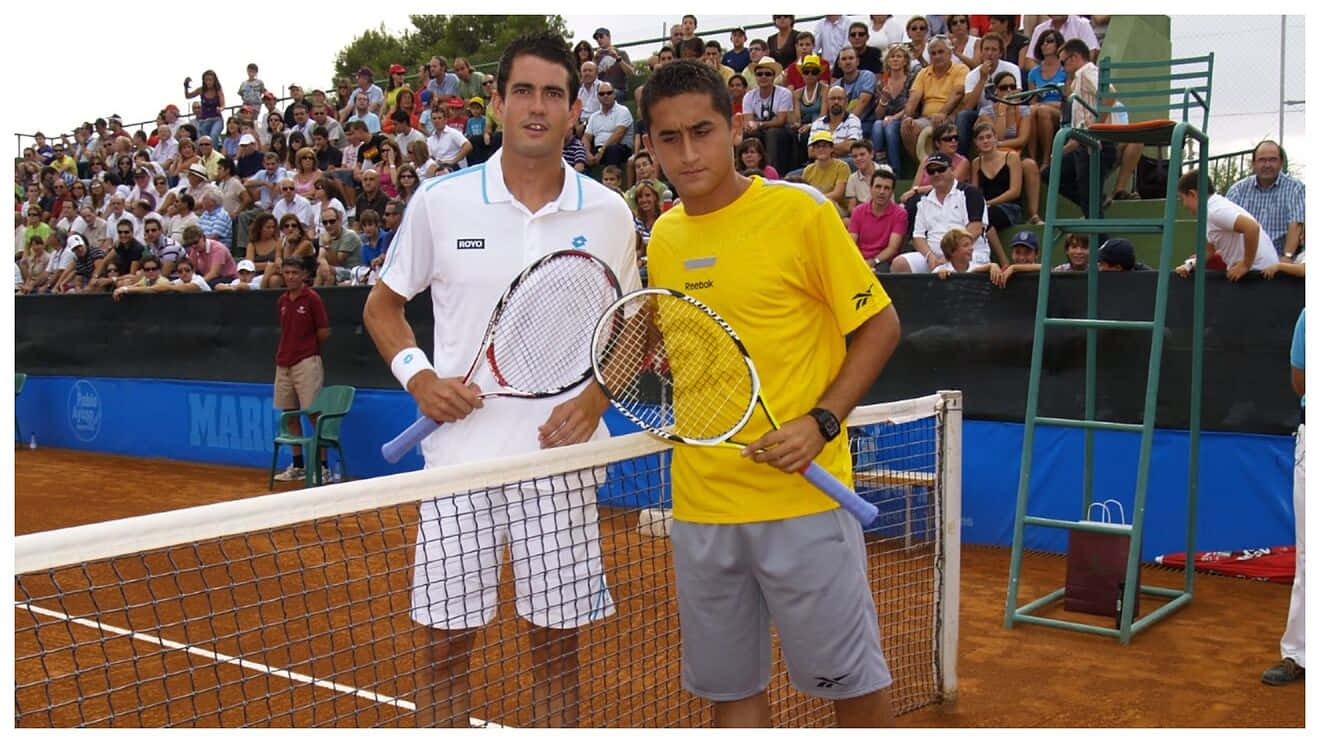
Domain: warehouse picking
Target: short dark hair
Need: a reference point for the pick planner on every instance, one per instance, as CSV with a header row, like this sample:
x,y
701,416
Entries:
x,y
399,117
192,131
713,43
686,76
368,216
358,124
546,45
885,173
694,45
1075,46
689,15
1188,183
182,262
1256,150
859,24
667,48
188,201
864,143
322,131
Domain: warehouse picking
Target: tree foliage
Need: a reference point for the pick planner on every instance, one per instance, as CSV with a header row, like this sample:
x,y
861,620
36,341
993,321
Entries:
x,y
479,38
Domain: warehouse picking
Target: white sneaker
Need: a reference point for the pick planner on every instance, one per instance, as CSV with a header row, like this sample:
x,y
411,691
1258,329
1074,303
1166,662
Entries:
x,y
325,475
291,474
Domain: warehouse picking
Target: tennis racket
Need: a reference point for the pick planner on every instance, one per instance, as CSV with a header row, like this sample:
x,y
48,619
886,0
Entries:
x,y
672,365
538,340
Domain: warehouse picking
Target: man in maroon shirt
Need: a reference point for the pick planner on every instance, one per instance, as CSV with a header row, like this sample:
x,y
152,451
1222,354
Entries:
x,y
298,371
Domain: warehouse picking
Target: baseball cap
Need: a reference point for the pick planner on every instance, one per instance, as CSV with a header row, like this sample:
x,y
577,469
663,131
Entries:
x,y
599,31
821,135
1118,251
938,157
364,70
267,95
140,173
477,100
246,265
1027,238
811,60
198,170
172,107
396,69
247,139
455,101
74,241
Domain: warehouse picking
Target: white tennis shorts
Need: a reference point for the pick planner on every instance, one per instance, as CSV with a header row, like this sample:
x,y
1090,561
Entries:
x,y
554,540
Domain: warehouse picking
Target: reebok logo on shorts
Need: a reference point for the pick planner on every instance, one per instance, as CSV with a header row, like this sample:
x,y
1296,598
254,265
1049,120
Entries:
x,y
471,243
829,682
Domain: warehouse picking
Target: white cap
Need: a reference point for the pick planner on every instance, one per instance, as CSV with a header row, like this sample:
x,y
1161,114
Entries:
x,y
246,265
75,240
198,170
247,139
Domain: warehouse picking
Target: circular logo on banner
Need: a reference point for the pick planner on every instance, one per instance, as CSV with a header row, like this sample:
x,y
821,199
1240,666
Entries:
x,y
84,410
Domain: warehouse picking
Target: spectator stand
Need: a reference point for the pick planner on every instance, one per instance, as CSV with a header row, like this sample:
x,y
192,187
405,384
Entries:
x,y
1186,82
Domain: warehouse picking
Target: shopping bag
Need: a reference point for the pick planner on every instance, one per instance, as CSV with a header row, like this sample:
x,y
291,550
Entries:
x,y
1097,568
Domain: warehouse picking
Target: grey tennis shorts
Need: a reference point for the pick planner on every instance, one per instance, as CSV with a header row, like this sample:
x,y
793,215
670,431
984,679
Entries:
x,y
808,575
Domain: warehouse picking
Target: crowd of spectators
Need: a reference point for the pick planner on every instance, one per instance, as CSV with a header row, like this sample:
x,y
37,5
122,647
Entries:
x,y
856,107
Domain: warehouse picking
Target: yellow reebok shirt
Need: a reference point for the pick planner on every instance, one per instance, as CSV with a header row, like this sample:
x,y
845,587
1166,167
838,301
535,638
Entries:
x,y
778,265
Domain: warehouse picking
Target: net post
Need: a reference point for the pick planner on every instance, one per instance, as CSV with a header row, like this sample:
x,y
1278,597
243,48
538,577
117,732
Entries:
x,y
949,418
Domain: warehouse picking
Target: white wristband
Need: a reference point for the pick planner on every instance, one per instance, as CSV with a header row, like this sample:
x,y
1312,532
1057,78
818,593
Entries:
x,y
408,363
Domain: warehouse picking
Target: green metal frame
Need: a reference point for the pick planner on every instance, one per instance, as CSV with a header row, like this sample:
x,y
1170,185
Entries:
x,y
1054,229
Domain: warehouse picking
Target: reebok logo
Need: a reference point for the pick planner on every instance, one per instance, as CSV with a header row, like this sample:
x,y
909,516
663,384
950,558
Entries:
x,y
829,682
861,298
471,243
693,285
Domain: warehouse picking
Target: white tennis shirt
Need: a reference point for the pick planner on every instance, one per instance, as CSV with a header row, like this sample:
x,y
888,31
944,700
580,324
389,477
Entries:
x,y
466,237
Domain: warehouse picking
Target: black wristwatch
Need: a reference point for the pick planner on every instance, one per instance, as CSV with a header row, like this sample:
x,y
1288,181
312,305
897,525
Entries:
x,y
825,420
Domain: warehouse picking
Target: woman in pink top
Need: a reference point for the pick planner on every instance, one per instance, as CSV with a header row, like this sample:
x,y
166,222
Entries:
x,y
307,174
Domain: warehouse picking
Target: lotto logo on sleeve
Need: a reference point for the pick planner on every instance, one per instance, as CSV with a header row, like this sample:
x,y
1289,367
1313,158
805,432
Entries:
x,y
471,243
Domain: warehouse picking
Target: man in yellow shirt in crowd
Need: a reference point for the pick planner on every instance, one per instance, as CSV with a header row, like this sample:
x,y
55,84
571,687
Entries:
x,y
936,94
826,173
753,541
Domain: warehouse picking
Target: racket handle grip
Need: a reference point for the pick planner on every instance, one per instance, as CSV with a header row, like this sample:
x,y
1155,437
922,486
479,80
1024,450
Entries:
x,y
852,502
394,449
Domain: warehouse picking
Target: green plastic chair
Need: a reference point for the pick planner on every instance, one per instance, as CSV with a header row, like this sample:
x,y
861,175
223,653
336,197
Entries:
x,y
330,407
19,381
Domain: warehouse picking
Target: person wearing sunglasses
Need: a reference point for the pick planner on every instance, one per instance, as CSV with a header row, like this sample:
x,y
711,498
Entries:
x,y
979,86
948,205
608,134
766,111
289,201
868,57
936,94
340,250
1069,27
1075,165
918,31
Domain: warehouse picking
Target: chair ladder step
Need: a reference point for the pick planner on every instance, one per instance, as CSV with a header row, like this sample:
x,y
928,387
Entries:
x,y
1092,526
1105,226
1081,322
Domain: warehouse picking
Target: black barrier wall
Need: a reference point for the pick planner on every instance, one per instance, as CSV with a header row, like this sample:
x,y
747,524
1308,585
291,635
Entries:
x,y
960,333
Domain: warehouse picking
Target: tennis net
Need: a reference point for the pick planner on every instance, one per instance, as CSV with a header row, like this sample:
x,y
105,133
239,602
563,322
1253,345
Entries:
x,y
294,609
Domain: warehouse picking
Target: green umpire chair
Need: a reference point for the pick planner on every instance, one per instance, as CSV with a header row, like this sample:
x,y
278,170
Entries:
x,y
327,413
19,381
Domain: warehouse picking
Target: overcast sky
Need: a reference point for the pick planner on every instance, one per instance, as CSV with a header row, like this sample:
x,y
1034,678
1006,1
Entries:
x,y
93,63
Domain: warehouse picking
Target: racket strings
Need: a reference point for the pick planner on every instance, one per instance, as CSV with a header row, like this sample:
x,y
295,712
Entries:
x,y
675,368
542,340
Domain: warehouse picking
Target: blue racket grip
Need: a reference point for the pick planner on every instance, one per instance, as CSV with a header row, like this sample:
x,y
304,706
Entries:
x,y
394,449
829,485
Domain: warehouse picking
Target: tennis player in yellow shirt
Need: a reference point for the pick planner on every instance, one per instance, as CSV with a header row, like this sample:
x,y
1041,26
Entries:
x,y
753,541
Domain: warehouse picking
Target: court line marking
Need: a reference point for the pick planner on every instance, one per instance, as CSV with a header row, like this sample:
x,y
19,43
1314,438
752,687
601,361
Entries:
x,y
236,661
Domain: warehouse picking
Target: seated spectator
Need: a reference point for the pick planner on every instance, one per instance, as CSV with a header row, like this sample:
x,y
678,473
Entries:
x,y
1012,122
869,58
1117,254
181,215
93,228
738,55
644,168
33,265
1296,268
946,143
794,77
1016,44
1230,230
1070,27
981,83
339,250
1077,247
826,173
893,86
388,168
405,133
611,176
209,258
419,157
935,95
844,127
957,247
860,86
1047,109
166,146
373,239
1024,257
607,136
369,195
305,172
247,280
1074,171
456,113
711,56
161,245
1276,200
858,188
966,48
409,182
646,199
214,221
766,110
264,247
1005,179
757,52
948,205
261,186
295,245
290,202
250,159
152,280
878,225
143,190
449,148
434,116
737,91
918,33
361,112
808,101
188,280
77,276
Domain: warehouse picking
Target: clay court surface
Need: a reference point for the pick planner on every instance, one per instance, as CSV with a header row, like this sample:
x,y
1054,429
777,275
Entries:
x,y
1197,668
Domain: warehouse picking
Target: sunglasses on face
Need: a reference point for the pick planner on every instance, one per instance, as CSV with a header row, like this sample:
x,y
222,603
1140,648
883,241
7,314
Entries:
x,y
329,221
935,169
123,233
950,138
290,225
1005,87
286,188
917,28
151,268
857,34
605,93
764,73
810,70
